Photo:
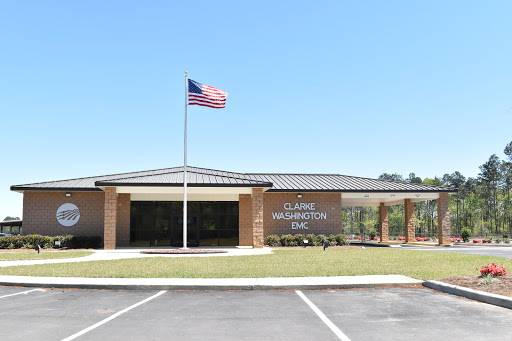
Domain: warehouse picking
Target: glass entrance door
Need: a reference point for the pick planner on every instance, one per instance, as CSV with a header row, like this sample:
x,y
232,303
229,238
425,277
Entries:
x,y
160,223
192,231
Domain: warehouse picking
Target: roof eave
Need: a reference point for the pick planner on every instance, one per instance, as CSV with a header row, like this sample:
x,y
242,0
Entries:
x,y
359,191
54,189
121,184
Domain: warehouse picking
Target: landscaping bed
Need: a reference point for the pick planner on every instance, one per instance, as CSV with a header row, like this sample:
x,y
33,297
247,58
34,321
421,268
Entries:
x,y
502,286
180,251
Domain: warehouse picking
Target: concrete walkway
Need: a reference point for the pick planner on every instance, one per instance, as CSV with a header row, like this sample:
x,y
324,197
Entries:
x,y
284,283
131,252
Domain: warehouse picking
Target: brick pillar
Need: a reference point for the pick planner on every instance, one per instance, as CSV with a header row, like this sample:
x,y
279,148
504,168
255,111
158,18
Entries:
x,y
443,219
110,218
384,223
123,220
244,220
410,225
257,217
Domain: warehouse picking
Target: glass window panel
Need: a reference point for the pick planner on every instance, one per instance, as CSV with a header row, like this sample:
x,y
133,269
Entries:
x,y
228,222
208,207
228,237
209,223
209,237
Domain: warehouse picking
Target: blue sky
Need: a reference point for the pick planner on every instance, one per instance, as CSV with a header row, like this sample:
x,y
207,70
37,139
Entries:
x,y
357,88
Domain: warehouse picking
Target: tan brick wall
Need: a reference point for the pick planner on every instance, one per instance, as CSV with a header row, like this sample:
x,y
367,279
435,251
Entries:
x,y
410,224
245,220
330,203
384,223
40,209
257,217
443,219
110,217
123,220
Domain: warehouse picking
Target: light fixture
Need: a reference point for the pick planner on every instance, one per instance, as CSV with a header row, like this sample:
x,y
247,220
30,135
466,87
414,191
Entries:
x,y
68,194
299,196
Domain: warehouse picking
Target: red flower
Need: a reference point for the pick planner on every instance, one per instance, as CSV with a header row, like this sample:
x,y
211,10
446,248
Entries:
x,y
494,269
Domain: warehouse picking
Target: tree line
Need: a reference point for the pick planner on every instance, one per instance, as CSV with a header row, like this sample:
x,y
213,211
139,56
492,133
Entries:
x,y
482,203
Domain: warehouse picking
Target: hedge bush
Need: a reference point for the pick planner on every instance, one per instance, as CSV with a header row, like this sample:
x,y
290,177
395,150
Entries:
x,y
47,242
298,240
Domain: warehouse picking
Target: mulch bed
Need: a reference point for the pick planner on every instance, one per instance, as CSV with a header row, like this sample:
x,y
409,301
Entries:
x,y
503,285
180,251
315,247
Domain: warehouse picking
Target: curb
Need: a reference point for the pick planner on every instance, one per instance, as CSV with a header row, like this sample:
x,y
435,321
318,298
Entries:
x,y
217,284
477,295
482,244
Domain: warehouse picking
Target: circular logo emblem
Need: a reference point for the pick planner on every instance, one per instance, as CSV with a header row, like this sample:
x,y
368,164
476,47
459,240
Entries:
x,y
68,214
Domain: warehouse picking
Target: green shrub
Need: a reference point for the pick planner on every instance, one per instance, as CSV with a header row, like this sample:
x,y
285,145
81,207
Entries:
x,y
299,239
288,240
332,240
273,240
342,240
506,240
30,241
465,234
311,239
320,240
372,233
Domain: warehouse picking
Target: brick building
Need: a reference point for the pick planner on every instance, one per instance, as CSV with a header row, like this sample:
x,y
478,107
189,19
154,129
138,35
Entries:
x,y
224,208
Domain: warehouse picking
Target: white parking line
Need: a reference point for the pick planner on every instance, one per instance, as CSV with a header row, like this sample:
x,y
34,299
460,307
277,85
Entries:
x,y
23,292
324,318
94,326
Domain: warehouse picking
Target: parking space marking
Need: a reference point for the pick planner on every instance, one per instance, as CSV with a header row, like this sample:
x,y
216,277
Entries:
x,y
324,318
110,318
23,292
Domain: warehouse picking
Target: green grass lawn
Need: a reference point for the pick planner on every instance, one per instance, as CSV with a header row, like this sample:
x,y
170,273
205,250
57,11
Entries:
x,y
30,255
283,263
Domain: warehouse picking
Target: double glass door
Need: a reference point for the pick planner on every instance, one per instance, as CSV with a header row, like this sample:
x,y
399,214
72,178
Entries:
x,y
160,223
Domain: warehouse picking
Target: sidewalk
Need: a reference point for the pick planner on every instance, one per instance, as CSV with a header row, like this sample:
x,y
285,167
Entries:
x,y
278,283
131,252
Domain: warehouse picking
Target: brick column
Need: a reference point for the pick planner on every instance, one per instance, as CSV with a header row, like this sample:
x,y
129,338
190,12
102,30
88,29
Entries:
x,y
257,217
410,225
443,219
123,220
244,220
110,218
384,223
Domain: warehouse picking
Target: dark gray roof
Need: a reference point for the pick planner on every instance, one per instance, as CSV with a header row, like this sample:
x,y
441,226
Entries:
x,y
340,183
196,177
202,177
11,223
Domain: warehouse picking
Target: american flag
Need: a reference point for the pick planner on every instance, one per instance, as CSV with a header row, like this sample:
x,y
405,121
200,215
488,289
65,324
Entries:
x,y
205,95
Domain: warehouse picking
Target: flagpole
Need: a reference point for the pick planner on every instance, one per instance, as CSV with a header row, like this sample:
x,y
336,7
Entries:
x,y
185,168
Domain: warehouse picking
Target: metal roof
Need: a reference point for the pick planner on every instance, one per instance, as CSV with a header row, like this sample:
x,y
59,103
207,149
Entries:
x,y
202,177
11,223
340,183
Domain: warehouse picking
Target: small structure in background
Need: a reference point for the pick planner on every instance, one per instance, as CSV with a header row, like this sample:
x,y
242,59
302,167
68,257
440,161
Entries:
x,y
11,227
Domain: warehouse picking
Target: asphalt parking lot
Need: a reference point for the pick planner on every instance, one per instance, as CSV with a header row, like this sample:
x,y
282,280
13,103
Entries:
x,y
368,314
